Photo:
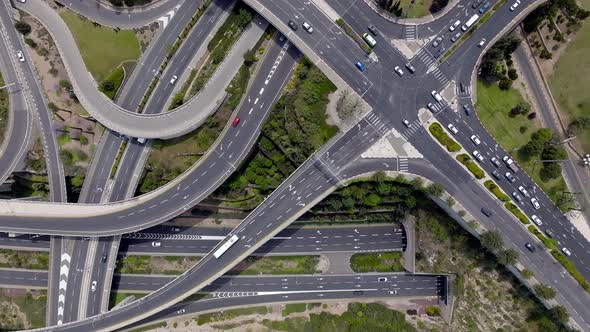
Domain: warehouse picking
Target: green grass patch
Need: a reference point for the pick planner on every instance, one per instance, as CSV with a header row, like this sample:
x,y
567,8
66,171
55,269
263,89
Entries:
x,y
149,327
496,191
377,262
277,265
443,138
63,139
571,268
230,314
493,107
3,110
517,213
293,308
102,49
35,260
471,165
549,243
134,264
570,80
116,297
113,82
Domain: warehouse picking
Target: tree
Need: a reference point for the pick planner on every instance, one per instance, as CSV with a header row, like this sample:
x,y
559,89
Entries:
x,y
507,257
544,292
578,125
108,86
245,17
550,170
505,84
435,189
532,116
560,314
491,241
554,152
22,27
512,74
249,57
516,110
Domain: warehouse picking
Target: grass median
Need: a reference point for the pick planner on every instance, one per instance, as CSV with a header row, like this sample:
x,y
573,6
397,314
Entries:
x,y
549,243
377,262
113,82
471,165
443,138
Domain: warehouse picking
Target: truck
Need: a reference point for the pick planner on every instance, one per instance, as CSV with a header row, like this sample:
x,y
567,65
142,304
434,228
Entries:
x,y
470,22
510,163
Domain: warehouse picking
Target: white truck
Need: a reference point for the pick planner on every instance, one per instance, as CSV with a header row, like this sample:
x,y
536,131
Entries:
x,y
470,22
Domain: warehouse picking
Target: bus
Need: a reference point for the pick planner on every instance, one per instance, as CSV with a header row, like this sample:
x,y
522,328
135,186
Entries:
x,y
369,39
470,22
228,243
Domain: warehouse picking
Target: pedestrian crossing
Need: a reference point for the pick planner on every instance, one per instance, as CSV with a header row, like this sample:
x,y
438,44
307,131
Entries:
x,y
440,76
414,127
438,106
403,165
411,32
425,57
379,125
463,91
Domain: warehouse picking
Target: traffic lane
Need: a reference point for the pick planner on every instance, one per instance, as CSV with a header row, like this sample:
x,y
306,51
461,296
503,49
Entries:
x,y
473,197
17,278
95,182
74,281
119,17
53,287
99,274
24,242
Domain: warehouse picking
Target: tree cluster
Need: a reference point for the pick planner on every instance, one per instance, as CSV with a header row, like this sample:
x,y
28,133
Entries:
x,y
578,125
494,61
391,7
541,146
22,27
437,5
549,11
129,3
492,242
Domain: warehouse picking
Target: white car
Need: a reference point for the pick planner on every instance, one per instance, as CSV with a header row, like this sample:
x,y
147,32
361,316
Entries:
x,y
20,56
156,244
399,71
392,292
566,251
181,311
382,279
514,5
307,27
93,286
453,129
536,220
535,203
436,96
173,79
475,139
523,191
478,155
454,26
407,123
481,43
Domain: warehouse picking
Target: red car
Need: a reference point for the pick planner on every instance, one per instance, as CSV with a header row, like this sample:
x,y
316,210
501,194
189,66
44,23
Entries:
x,y
236,121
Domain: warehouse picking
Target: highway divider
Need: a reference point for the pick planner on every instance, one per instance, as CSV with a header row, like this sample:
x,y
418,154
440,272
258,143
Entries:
x,y
443,138
464,159
517,213
549,243
491,185
569,266
352,34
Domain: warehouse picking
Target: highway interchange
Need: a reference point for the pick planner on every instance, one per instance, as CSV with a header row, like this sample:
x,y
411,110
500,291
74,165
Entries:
x,y
334,163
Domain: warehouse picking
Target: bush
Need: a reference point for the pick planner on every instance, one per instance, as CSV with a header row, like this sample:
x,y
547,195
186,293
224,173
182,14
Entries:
x,y
496,191
547,242
435,189
517,213
491,241
83,140
444,139
471,166
505,84
512,74
433,310
527,274
544,292
22,27
31,42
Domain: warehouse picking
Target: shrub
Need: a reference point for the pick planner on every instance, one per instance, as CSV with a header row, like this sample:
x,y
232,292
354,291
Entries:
x,y
83,140
517,213
444,139
433,310
505,84
496,191
471,166
31,42
547,242
544,292
22,27
512,74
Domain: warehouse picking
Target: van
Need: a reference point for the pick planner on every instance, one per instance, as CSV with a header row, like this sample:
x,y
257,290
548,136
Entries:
x,y
454,26
369,39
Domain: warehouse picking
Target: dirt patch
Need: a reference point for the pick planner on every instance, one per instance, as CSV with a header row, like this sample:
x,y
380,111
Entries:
x,y
146,34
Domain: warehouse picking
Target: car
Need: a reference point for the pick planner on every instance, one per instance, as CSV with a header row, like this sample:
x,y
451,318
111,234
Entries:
x,y
399,71
523,191
293,25
410,68
236,122
431,107
438,40
514,5
536,220
104,258
517,197
485,7
175,229
307,27
477,155
156,244
454,25
467,109
510,177
86,238
281,37
497,175
496,162
436,96
487,212
535,203
360,66
21,1
369,39
566,251
392,292
382,279
549,233
440,52
372,29
456,37
481,43
530,247
407,123
453,129
173,79
141,140
462,87
475,140
93,285
358,293
476,4
181,311
507,160
20,56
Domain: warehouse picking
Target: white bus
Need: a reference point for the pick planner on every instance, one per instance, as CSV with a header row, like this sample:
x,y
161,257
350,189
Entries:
x,y
228,243
470,22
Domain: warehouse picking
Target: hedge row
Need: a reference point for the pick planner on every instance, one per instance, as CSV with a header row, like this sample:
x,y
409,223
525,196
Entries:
x,y
443,138
496,191
549,243
471,166
517,213
569,266
340,22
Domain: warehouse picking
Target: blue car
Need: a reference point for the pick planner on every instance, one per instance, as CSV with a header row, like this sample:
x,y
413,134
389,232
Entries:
x,y
484,8
360,66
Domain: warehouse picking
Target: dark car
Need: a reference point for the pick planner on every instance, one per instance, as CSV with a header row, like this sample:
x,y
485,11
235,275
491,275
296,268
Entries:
x,y
497,175
293,26
358,293
410,68
104,258
440,52
476,4
530,247
488,213
467,109
549,233
372,29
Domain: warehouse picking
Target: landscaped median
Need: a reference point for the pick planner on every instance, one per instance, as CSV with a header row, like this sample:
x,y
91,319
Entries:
x,y
549,243
569,266
443,138
496,191
352,34
517,213
471,165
